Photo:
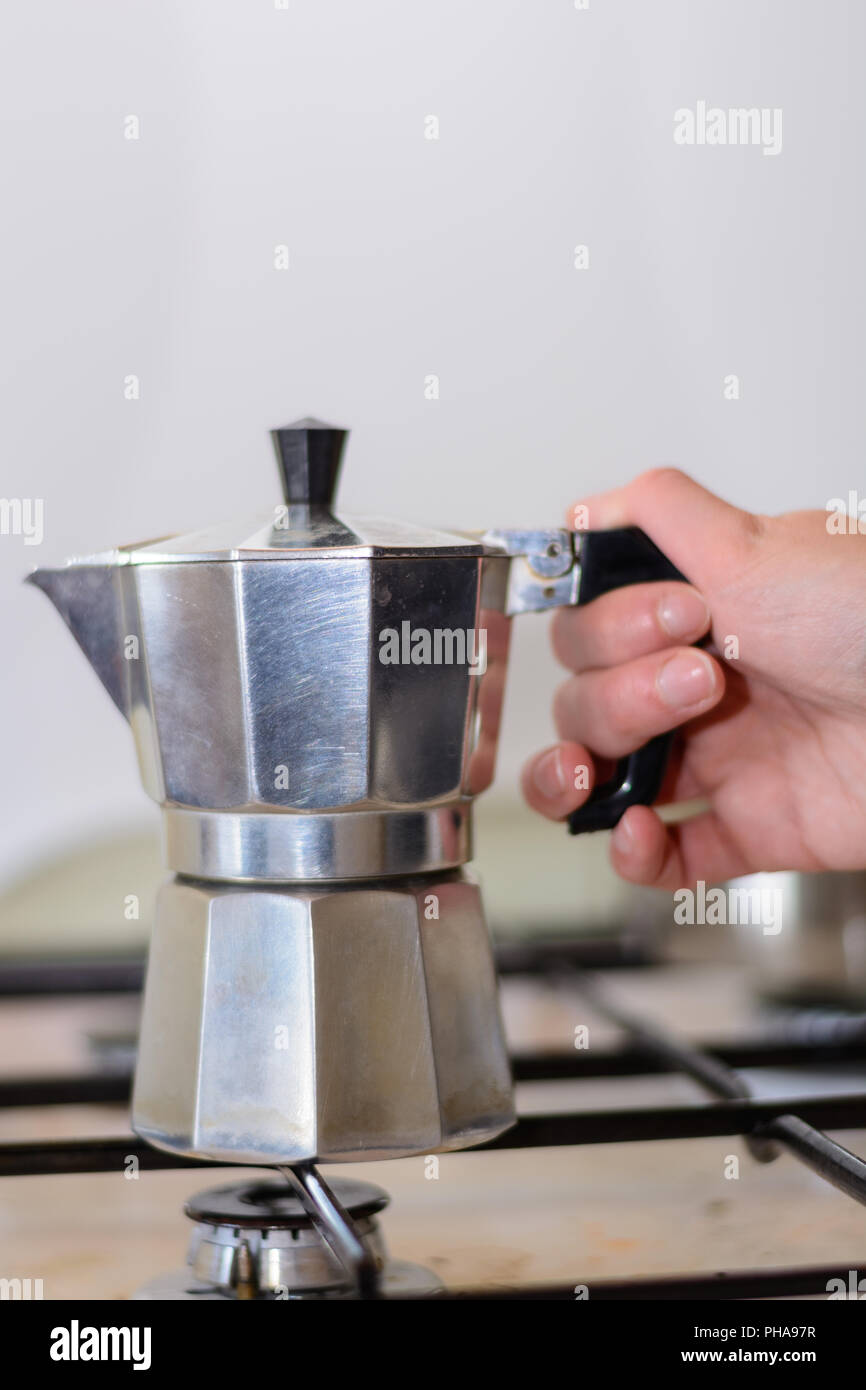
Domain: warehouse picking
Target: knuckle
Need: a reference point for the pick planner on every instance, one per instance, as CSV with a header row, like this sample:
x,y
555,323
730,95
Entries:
x,y
754,526
628,701
623,730
661,477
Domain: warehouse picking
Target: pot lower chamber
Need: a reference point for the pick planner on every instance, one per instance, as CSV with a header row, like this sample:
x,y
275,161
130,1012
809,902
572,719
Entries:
x,y
336,1022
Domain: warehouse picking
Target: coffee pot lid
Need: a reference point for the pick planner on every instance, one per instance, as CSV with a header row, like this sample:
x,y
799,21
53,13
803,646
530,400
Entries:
x,y
304,525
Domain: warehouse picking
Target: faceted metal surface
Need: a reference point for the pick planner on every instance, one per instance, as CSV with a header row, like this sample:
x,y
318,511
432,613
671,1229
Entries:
x,y
260,687
252,685
339,1024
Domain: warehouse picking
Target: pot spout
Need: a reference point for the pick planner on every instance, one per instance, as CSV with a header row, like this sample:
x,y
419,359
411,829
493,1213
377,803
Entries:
x,y
87,597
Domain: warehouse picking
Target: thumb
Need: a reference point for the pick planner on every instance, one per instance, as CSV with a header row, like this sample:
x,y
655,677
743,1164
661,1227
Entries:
x,y
704,536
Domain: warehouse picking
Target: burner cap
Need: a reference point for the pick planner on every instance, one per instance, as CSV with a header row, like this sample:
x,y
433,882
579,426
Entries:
x,y
253,1240
273,1205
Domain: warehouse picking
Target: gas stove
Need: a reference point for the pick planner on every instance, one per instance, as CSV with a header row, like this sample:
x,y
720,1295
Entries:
x,y
646,1163
260,1240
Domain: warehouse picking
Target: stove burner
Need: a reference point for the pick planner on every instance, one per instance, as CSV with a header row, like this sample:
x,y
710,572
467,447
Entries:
x,y
254,1240
265,1205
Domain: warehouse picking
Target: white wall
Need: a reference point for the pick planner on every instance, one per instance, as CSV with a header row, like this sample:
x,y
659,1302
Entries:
x,y
408,256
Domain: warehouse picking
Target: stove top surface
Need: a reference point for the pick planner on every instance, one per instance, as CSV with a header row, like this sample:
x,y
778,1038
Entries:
x,y
591,1213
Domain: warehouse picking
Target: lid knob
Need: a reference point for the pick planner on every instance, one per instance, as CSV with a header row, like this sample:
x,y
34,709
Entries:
x,y
309,454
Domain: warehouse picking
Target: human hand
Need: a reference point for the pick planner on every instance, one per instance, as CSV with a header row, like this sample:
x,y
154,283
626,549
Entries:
x,y
775,738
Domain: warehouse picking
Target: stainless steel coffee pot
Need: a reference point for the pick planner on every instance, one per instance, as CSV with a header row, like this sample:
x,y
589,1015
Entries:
x,y
315,701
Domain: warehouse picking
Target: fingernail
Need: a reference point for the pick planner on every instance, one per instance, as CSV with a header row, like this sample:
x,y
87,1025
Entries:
x,y
683,612
622,838
686,679
548,775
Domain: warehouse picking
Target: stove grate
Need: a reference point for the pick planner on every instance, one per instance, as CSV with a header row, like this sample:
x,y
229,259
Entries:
x,y
768,1126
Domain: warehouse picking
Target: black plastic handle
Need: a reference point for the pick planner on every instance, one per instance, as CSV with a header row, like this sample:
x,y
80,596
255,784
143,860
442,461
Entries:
x,y
309,454
610,560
